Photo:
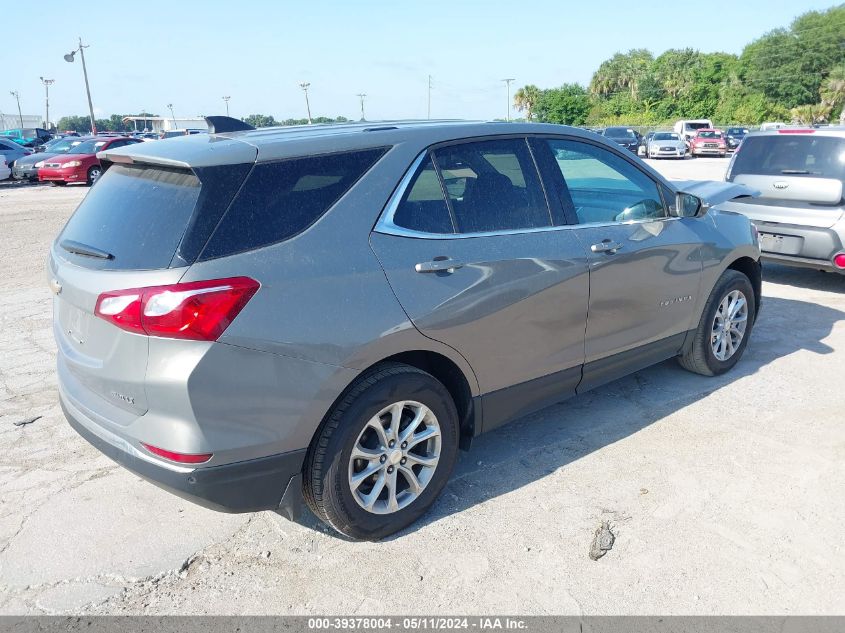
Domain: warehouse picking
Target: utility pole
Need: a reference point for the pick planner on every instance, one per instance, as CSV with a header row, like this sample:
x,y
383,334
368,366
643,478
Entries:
x,y
361,95
429,98
508,83
17,96
69,58
47,83
226,99
172,116
304,85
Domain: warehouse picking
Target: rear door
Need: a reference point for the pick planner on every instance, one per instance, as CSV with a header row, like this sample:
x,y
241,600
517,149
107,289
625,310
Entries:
x,y
471,251
645,265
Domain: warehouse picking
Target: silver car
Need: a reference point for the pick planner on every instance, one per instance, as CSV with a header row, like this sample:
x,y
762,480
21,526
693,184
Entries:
x,y
800,212
250,318
666,145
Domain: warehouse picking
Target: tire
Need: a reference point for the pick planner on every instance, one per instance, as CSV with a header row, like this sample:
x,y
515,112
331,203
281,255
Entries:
x,y
330,470
701,357
93,174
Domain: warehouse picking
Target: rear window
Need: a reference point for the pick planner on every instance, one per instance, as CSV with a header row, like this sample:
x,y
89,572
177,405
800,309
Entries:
x,y
283,198
791,155
136,214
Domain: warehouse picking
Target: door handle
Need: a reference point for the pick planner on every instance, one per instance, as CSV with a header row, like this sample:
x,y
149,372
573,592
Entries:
x,y
606,246
439,264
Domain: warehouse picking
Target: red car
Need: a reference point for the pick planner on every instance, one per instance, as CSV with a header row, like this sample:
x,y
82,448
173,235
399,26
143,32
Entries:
x,y
708,142
82,165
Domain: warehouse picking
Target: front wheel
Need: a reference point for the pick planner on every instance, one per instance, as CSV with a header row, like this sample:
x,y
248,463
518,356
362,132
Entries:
x,y
384,453
93,174
724,328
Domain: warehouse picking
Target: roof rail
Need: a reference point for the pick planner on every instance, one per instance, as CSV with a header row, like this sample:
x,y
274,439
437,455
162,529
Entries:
x,y
220,124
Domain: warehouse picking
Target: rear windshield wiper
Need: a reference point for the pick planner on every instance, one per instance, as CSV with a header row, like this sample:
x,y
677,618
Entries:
x,y
795,171
83,249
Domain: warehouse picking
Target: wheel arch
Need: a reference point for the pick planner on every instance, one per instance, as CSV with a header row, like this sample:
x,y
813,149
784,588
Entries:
x,y
754,271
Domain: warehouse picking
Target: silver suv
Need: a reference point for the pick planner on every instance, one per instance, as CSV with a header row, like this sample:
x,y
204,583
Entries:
x,y
252,317
801,210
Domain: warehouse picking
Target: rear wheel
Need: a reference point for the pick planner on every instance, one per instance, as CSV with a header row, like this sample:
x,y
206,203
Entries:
x,y
724,328
384,453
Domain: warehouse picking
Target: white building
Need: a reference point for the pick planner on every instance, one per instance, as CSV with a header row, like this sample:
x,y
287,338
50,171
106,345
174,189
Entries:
x,y
164,124
10,121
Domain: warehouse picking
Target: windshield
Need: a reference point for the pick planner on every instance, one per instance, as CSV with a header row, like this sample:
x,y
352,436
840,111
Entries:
x,y
63,145
89,147
666,136
619,132
710,135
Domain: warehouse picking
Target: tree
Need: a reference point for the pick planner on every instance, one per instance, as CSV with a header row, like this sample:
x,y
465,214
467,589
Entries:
x,y
525,99
832,91
569,105
260,120
811,114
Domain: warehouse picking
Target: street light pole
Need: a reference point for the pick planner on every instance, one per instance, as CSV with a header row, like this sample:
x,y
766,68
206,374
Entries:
x,y
226,99
172,116
69,58
361,96
304,85
47,83
508,113
17,96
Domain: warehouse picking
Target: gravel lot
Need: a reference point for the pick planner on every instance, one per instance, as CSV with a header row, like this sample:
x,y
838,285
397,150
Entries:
x,y
725,494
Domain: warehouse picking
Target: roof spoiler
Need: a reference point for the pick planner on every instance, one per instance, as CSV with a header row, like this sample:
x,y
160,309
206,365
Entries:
x,y
221,124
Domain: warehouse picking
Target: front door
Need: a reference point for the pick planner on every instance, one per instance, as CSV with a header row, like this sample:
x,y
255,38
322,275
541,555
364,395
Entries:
x,y
471,251
645,264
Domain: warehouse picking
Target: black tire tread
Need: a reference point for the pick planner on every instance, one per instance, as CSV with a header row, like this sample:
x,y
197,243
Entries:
x,y
695,357
313,492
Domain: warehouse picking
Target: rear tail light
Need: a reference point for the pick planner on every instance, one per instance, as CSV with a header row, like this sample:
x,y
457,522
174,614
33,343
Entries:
x,y
182,458
796,131
839,260
196,310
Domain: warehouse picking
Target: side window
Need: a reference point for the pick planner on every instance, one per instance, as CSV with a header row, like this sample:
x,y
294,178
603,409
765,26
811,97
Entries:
x,y
604,187
492,186
423,205
279,199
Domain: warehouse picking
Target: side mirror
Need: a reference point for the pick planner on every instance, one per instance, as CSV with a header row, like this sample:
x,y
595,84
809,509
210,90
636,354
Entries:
x,y
690,206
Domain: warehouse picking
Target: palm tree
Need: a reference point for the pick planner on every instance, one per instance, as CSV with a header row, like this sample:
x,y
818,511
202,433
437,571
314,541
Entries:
x,y
525,99
832,90
812,113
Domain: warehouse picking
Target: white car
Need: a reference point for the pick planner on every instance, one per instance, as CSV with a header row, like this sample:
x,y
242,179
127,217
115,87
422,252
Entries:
x,y
688,129
5,172
666,145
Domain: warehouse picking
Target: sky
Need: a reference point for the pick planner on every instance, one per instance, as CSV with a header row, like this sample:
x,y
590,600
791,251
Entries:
x,y
192,52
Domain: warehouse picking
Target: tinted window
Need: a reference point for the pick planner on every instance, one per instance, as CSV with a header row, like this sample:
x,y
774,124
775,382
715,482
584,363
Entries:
x,y
619,132
89,147
492,186
791,154
604,187
280,199
138,214
423,206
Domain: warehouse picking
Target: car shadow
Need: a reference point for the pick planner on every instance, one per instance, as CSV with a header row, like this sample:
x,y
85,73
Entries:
x,y
803,278
534,446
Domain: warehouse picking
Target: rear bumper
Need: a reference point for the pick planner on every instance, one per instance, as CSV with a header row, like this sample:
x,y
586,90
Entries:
x,y
807,246
267,483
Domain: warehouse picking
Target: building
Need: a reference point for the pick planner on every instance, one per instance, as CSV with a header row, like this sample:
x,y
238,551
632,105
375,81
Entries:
x,y
164,124
10,121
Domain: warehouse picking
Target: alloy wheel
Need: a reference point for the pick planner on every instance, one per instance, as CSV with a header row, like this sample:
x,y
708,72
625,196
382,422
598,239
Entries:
x,y
394,457
729,325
